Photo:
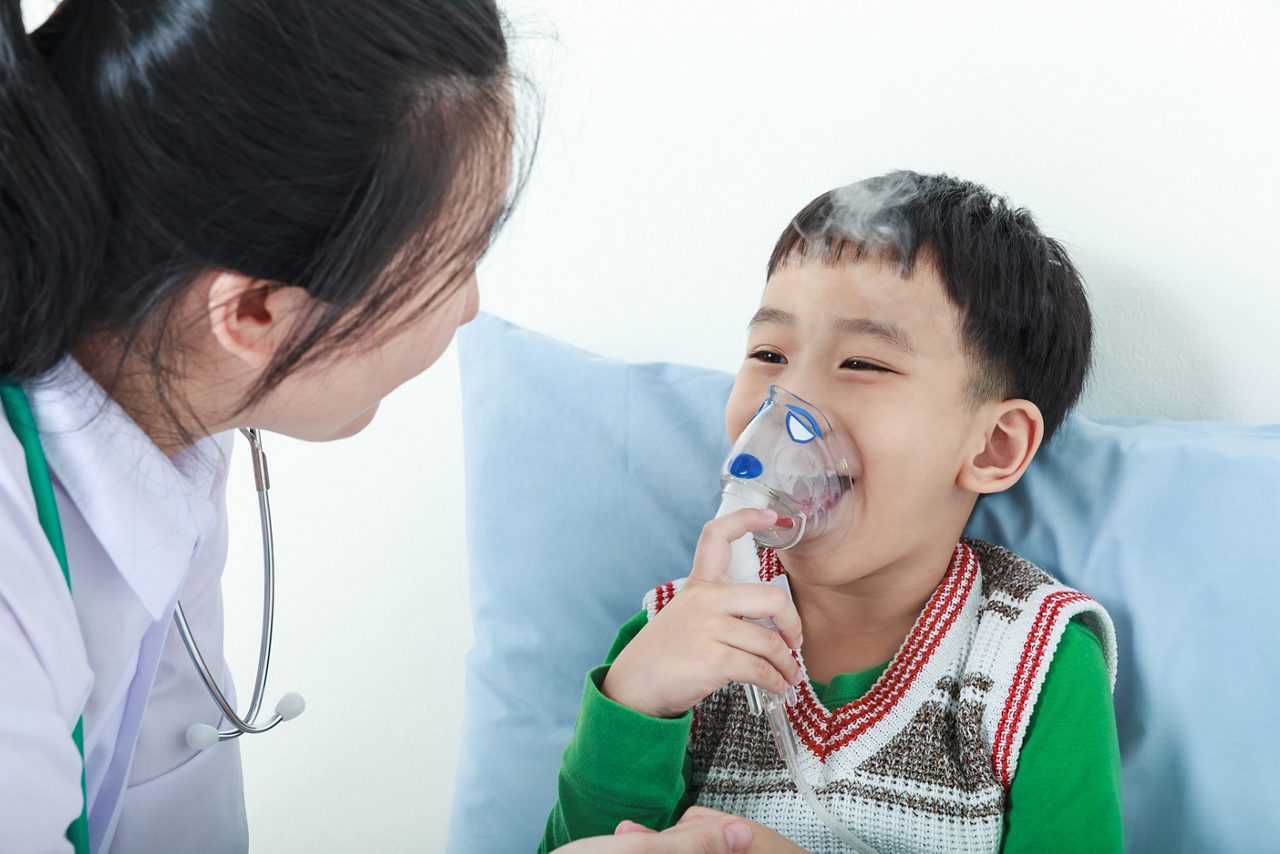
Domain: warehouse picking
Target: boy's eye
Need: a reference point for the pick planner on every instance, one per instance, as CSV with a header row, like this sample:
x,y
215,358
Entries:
x,y
859,365
769,357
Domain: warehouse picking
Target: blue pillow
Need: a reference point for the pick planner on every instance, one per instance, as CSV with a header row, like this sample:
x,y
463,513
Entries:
x,y
588,480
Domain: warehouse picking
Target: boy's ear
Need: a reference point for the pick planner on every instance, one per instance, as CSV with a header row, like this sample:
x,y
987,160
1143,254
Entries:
x,y
250,317
1012,434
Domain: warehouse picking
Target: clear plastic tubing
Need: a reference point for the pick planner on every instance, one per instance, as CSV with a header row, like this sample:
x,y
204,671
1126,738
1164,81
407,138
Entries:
x,y
789,460
744,568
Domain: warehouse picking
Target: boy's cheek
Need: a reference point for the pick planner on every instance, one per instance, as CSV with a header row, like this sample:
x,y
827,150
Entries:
x,y
893,467
744,401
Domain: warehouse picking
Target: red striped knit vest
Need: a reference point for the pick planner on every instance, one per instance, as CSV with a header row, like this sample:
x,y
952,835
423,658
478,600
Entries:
x,y
923,761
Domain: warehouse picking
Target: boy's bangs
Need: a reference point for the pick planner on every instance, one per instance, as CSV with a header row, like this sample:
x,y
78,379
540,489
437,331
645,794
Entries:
x,y
835,231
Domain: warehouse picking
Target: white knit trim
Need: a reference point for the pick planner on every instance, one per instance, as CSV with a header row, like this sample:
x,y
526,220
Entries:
x,y
1018,655
657,598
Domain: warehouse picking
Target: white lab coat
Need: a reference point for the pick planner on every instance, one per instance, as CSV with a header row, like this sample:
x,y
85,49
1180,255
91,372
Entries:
x,y
141,532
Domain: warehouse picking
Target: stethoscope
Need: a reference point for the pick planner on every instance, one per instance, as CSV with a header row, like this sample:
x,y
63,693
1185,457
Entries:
x,y
202,736
199,736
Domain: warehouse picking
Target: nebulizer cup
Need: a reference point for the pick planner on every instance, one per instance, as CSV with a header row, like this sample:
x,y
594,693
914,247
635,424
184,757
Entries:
x,y
791,460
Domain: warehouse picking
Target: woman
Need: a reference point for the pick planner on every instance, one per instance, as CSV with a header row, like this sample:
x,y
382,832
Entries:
x,y
214,214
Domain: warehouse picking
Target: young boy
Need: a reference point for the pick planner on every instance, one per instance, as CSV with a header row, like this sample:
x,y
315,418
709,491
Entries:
x,y
953,697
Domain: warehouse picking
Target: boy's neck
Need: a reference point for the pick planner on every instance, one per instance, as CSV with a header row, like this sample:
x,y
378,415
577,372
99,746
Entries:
x,y
862,624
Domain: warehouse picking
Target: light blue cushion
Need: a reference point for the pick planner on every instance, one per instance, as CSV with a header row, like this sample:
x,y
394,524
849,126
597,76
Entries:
x,y
588,480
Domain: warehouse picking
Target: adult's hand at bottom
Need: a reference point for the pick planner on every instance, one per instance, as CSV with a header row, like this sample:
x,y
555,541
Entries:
x,y
764,840
709,833
761,839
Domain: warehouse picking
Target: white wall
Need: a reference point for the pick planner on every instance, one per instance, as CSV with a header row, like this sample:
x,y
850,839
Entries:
x,y
681,137
678,139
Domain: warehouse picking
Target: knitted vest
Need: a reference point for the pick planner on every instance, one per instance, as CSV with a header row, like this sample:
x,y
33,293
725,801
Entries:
x,y
923,761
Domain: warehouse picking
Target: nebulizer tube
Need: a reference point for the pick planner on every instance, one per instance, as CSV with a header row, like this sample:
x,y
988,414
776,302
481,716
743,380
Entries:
x,y
787,460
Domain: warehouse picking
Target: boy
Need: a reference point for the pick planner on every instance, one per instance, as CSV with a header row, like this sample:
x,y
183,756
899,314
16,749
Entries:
x,y
953,697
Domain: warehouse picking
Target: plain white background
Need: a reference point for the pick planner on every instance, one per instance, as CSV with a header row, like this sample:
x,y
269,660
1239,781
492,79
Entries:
x,y
677,140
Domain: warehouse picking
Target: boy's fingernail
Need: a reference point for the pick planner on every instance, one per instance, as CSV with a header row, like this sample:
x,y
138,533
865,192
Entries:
x,y
739,836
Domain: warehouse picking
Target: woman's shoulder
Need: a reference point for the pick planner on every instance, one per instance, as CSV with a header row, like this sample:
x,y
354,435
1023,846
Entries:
x,y
38,624
21,537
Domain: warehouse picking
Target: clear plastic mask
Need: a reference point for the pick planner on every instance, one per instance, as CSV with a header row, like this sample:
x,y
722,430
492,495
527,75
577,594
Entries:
x,y
789,459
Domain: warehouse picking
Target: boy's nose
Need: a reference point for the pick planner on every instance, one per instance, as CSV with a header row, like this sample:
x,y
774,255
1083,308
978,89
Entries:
x,y
807,390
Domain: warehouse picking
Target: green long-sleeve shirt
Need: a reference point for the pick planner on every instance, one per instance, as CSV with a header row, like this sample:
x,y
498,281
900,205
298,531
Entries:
x,y
1065,795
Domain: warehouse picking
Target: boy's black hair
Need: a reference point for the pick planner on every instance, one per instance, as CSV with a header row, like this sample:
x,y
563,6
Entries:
x,y
1024,316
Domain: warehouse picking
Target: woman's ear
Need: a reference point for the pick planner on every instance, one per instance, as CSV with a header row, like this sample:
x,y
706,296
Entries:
x,y
1012,435
250,318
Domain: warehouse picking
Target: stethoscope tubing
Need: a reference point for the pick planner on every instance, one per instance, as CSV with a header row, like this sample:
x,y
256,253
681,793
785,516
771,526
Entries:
x,y
249,723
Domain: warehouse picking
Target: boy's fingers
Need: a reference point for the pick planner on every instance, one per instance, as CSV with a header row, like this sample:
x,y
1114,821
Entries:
x,y
763,643
764,602
739,666
711,558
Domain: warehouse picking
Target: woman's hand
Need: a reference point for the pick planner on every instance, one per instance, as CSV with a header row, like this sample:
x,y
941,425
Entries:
x,y
712,833
698,643
762,840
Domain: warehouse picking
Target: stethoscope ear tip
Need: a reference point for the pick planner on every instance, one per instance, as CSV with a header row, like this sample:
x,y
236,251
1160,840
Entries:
x,y
201,736
290,706
204,736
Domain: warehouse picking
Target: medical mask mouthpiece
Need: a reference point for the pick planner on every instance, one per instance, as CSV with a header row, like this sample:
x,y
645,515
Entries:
x,y
789,459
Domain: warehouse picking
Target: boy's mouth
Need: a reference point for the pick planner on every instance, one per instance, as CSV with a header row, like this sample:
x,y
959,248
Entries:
x,y
826,503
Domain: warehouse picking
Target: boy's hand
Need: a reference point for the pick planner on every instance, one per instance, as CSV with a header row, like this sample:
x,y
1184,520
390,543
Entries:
x,y
698,643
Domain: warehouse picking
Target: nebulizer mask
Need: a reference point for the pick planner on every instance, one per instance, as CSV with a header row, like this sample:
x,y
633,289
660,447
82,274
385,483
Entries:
x,y
790,460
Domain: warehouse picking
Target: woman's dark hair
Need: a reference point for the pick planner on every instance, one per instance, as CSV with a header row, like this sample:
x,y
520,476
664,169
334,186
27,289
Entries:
x,y
1025,319
356,150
